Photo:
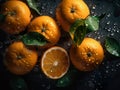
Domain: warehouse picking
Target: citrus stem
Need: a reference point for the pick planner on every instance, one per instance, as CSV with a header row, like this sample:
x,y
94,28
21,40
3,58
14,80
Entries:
x,y
19,57
89,54
43,29
11,13
72,10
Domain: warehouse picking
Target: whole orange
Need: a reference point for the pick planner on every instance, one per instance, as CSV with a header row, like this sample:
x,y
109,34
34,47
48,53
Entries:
x,y
74,9
19,59
88,55
46,26
68,11
17,16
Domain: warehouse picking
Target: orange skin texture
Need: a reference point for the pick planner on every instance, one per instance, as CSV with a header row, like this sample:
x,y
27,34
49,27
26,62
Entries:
x,y
18,16
68,11
46,26
73,10
61,20
88,55
19,59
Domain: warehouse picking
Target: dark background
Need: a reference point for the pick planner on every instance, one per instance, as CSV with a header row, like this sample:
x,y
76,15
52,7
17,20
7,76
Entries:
x,y
105,77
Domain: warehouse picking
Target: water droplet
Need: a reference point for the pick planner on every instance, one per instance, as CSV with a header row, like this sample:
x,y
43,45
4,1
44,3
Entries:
x,y
118,64
92,12
17,19
28,65
107,71
114,52
98,37
107,67
86,25
98,33
18,27
51,70
19,86
6,9
89,60
87,64
43,85
28,41
114,30
95,32
112,69
97,63
91,84
96,89
48,87
93,7
109,15
117,31
51,12
112,34
68,44
108,22
115,24
7,42
43,7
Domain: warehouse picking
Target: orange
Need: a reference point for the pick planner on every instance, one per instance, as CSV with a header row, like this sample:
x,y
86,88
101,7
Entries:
x,y
74,9
55,62
61,20
68,11
88,55
17,16
46,26
19,59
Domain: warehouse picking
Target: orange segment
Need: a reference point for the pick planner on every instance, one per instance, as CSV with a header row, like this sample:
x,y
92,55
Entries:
x,y
55,62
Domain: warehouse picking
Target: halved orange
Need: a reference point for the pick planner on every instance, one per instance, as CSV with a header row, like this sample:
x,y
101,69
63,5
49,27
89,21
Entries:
x,y
55,62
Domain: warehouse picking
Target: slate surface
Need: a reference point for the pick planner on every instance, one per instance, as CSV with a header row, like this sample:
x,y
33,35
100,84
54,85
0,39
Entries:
x,y
105,77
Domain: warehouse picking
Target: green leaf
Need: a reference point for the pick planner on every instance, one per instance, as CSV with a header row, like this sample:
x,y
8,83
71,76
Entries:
x,y
33,4
75,25
34,38
67,79
78,31
18,83
112,46
92,23
2,17
79,34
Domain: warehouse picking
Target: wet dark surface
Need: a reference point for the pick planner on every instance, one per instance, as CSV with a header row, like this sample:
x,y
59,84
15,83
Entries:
x,y
105,77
